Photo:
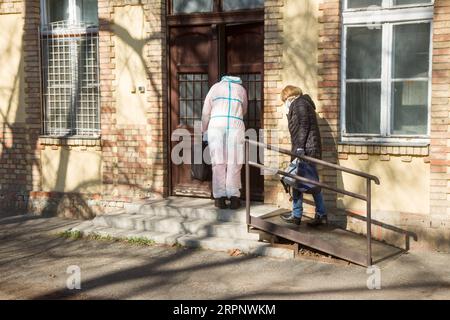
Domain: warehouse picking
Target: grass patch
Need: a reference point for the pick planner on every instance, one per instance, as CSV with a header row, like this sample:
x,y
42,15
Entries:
x,y
140,241
99,237
69,234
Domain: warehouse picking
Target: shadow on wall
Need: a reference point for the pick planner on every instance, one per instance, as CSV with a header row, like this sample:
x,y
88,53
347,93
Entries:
x,y
20,150
16,162
300,68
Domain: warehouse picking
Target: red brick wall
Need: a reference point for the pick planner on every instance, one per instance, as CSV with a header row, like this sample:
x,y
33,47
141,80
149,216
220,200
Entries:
x,y
440,124
128,173
329,56
19,156
273,52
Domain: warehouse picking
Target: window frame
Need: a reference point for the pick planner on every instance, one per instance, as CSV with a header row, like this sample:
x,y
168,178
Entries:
x,y
217,7
385,17
388,4
77,30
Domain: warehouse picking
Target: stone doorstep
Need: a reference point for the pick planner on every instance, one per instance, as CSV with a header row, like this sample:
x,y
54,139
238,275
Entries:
x,y
173,224
196,208
212,243
190,222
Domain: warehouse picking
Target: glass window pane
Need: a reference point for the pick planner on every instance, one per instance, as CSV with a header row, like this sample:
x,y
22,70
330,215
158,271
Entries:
x,y
190,91
198,110
354,4
363,53
198,90
363,107
57,10
190,6
410,107
190,109
406,2
411,50
183,112
205,88
230,5
87,12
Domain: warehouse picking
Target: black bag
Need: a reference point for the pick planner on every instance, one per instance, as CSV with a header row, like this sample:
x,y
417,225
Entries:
x,y
303,169
201,171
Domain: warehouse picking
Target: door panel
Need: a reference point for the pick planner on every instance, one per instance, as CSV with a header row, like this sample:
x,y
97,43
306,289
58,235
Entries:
x,y
197,57
190,56
245,58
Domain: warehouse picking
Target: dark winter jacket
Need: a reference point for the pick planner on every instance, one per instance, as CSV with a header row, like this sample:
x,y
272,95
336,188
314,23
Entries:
x,y
303,127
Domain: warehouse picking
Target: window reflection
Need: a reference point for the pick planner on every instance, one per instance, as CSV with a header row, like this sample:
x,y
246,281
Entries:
x,y
192,6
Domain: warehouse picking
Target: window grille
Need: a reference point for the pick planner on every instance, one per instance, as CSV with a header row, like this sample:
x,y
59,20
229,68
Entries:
x,y
70,76
252,82
193,89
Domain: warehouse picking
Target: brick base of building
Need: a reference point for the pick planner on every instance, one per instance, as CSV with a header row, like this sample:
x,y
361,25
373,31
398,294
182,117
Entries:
x,y
65,205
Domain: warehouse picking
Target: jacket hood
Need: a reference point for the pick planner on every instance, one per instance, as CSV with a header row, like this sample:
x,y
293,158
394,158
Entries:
x,y
308,98
232,79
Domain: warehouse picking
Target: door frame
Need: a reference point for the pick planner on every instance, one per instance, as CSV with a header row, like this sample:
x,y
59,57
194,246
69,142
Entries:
x,y
217,20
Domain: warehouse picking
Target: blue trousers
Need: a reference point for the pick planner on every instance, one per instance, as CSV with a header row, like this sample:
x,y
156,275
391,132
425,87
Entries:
x,y
297,207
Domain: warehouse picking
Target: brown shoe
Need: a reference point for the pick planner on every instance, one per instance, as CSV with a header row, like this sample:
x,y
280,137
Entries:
x,y
220,203
235,203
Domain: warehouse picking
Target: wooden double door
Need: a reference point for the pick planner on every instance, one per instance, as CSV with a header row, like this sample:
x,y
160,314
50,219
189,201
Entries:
x,y
199,56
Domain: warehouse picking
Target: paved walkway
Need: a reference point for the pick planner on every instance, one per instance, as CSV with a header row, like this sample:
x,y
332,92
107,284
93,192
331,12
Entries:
x,y
33,265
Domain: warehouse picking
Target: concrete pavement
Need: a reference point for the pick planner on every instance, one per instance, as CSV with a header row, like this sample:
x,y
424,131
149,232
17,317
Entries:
x,y
34,262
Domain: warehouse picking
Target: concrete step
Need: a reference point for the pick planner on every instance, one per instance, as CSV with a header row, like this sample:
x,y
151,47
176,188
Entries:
x,y
189,222
195,208
175,225
246,246
89,228
189,240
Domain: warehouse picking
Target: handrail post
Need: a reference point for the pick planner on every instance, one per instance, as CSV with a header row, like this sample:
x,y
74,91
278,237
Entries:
x,y
247,182
369,222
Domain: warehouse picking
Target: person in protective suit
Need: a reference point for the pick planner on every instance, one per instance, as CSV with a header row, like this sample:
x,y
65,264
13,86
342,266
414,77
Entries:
x,y
223,125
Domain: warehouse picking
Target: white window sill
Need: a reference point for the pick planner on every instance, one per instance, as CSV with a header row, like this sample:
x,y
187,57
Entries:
x,y
378,141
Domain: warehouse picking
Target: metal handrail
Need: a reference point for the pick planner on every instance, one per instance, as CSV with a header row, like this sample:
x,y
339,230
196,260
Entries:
x,y
367,197
317,161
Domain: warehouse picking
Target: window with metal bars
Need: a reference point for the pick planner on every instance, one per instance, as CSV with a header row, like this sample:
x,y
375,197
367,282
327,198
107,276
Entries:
x,y
386,70
70,69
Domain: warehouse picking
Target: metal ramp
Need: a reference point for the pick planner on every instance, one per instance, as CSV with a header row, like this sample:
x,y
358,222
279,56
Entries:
x,y
329,239
357,248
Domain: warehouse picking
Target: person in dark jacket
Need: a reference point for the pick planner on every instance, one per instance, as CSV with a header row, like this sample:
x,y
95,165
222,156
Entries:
x,y
305,139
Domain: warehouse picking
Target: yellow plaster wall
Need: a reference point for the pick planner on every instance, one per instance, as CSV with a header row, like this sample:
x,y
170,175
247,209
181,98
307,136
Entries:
x,y
65,170
301,36
12,108
405,186
129,29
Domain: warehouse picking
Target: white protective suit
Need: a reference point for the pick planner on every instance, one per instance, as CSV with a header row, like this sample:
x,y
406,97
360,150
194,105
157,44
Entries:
x,y
223,120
